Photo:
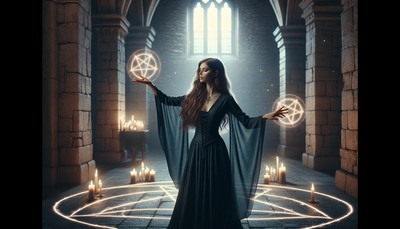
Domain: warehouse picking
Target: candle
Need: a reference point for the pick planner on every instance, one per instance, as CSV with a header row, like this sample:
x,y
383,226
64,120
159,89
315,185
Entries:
x,y
147,174
282,174
277,169
266,178
312,200
100,187
133,176
152,175
91,191
140,176
96,181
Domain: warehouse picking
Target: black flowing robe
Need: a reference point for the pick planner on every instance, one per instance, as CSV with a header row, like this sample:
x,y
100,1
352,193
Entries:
x,y
216,186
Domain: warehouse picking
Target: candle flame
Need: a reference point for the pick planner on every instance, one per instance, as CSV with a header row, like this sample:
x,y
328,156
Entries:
x,y
312,187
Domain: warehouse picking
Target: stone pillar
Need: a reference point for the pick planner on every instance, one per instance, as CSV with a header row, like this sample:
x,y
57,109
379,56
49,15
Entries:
x,y
110,31
138,94
291,43
76,164
323,84
347,176
49,94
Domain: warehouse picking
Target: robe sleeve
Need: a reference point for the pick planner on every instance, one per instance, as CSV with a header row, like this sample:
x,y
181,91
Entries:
x,y
173,139
246,138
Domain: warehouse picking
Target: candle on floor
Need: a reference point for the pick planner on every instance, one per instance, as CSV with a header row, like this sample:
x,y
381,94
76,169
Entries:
x,y
266,178
140,176
91,191
312,200
282,174
152,175
277,169
133,176
147,174
100,188
96,181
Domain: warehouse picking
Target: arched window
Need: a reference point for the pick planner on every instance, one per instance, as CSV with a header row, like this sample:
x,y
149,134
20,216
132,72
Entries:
x,y
212,28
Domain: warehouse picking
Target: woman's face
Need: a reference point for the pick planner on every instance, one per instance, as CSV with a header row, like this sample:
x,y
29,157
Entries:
x,y
206,75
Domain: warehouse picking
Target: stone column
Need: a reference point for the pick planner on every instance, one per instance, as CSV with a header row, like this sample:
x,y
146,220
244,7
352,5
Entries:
x,y
347,176
49,94
76,164
323,84
138,94
109,64
291,43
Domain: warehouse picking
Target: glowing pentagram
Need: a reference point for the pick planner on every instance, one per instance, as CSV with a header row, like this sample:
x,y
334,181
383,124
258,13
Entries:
x,y
147,201
143,63
295,113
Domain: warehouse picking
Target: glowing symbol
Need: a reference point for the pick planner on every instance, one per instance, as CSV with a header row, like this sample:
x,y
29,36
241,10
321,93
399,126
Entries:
x,y
295,113
145,63
151,201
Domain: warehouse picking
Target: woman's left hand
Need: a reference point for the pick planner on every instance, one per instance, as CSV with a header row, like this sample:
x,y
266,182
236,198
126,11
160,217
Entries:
x,y
280,113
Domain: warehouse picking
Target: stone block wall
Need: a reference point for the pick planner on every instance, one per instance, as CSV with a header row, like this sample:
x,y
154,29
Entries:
x,y
346,178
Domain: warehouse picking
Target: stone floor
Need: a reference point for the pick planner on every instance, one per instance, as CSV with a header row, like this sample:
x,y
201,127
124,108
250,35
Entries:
x,y
149,204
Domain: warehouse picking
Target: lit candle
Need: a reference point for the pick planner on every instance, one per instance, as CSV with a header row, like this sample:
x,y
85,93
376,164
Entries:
x,y
140,176
152,175
133,176
312,200
91,191
277,169
147,174
266,178
100,188
282,174
96,181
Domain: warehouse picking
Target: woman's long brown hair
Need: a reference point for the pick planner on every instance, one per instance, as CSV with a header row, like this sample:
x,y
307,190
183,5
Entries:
x,y
192,104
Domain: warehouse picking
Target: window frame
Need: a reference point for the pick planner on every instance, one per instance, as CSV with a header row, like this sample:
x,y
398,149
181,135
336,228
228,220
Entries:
x,y
190,31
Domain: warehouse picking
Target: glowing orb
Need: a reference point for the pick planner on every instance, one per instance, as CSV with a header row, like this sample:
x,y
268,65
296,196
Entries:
x,y
140,203
143,63
295,113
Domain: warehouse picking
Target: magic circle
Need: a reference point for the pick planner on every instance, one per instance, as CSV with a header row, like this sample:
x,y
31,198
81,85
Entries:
x,y
143,63
295,114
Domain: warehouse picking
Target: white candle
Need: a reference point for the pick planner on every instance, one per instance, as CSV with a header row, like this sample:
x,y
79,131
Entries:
x,y
312,194
282,174
277,168
152,175
96,180
91,191
133,176
100,187
266,178
147,174
141,176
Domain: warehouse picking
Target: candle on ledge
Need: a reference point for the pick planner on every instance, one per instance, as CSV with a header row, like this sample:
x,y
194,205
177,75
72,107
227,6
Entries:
x,y
133,176
96,181
91,191
100,188
312,200
152,175
266,178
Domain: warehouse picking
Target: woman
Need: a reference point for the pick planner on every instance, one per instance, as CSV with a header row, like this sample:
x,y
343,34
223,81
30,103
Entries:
x,y
215,186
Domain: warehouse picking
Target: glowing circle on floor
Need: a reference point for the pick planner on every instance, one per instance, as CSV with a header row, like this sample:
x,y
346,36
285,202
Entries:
x,y
295,113
143,63
142,201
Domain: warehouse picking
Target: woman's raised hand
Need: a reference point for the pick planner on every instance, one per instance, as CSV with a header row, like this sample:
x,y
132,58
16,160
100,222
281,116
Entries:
x,y
280,113
142,80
